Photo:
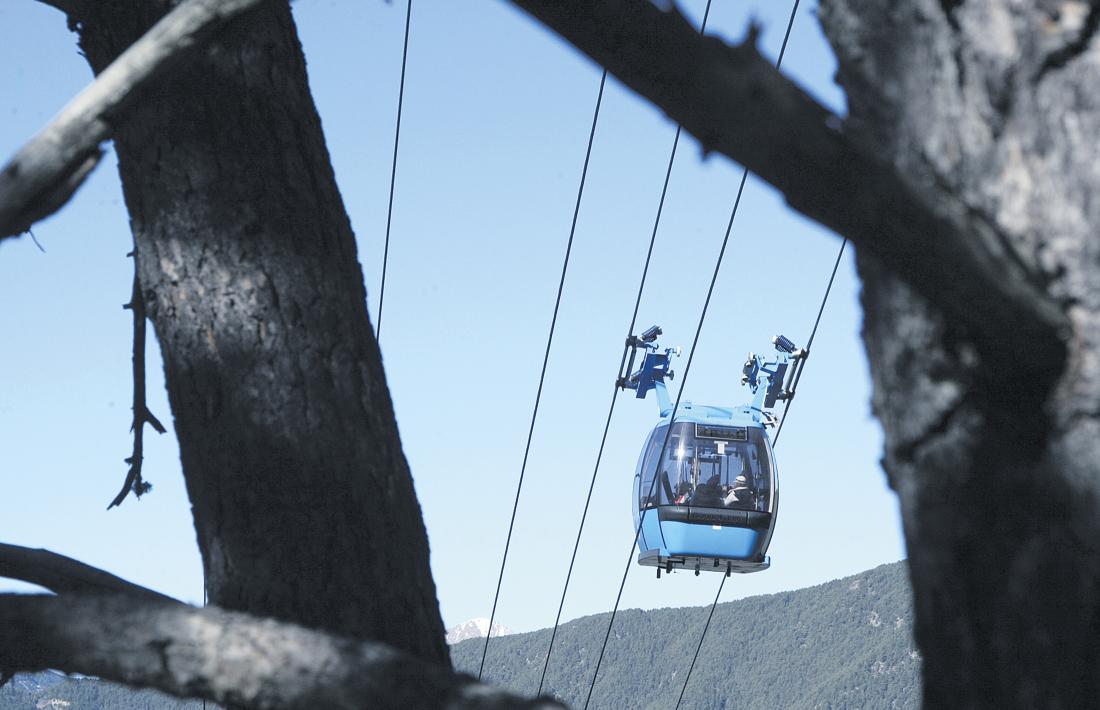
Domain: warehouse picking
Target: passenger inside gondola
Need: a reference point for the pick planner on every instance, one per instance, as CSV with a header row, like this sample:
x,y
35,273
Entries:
x,y
740,495
729,467
708,494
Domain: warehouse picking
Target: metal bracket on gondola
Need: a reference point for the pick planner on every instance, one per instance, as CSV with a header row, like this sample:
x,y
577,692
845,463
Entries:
x,y
633,343
654,369
773,380
655,364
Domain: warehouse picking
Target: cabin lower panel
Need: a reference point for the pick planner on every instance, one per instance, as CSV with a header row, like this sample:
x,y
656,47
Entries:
x,y
671,563
710,540
679,545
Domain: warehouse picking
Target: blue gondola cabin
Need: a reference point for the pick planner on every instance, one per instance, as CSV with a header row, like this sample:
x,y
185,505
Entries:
x,y
706,490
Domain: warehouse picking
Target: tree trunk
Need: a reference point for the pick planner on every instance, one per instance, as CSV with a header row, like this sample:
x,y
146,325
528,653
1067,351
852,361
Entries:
x,y
997,468
302,498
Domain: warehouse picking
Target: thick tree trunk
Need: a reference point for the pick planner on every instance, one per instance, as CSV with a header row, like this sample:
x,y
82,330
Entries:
x,y
302,498
997,469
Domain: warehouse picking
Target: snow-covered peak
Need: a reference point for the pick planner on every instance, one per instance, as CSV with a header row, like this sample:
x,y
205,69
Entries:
x,y
475,628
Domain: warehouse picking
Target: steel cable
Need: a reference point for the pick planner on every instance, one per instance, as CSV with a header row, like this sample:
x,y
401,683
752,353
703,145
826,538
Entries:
x,y
204,602
775,442
679,394
787,406
393,169
542,375
701,637
810,342
615,389
668,435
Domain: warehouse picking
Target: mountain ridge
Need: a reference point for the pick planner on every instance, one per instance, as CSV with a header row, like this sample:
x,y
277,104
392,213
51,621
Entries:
x,y
841,644
475,628
848,641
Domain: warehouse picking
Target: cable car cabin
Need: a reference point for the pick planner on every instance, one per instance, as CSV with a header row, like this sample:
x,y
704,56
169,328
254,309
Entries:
x,y
713,503
706,490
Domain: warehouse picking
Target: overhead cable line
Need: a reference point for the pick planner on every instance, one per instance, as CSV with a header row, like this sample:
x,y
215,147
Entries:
x,y
615,388
664,444
393,169
701,637
542,375
810,342
775,441
204,602
683,384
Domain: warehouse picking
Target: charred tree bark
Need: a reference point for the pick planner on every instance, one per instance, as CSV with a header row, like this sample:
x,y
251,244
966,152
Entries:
x,y
998,472
48,170
302,498
229,657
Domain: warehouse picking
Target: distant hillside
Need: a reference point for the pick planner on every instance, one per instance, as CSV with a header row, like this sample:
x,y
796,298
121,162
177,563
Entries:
x,y
844,644
54,691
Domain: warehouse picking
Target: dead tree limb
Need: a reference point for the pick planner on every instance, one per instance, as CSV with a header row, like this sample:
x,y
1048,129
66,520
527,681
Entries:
x,y
64,575
142,416
735,102
44,174
227,657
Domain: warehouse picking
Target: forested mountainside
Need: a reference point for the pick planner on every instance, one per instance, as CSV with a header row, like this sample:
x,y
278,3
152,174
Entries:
x,y
843,644
54,691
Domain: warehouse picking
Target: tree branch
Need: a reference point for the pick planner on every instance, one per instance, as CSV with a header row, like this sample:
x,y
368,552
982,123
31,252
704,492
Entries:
x,y
735,102
142,415
44,174
64,575
227,657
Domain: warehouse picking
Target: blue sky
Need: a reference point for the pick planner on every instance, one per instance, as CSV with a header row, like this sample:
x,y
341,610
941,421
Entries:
x,y
496,119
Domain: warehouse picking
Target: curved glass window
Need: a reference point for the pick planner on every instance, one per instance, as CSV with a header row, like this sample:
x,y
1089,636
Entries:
x,y
707,466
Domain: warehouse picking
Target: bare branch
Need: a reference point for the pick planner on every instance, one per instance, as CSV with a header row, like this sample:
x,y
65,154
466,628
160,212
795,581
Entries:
x,y
142,416
64,575
44,174
735,102
227,657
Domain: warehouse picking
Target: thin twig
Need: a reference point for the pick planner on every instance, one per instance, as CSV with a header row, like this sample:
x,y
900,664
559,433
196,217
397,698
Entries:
x,y
142,416
36,242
